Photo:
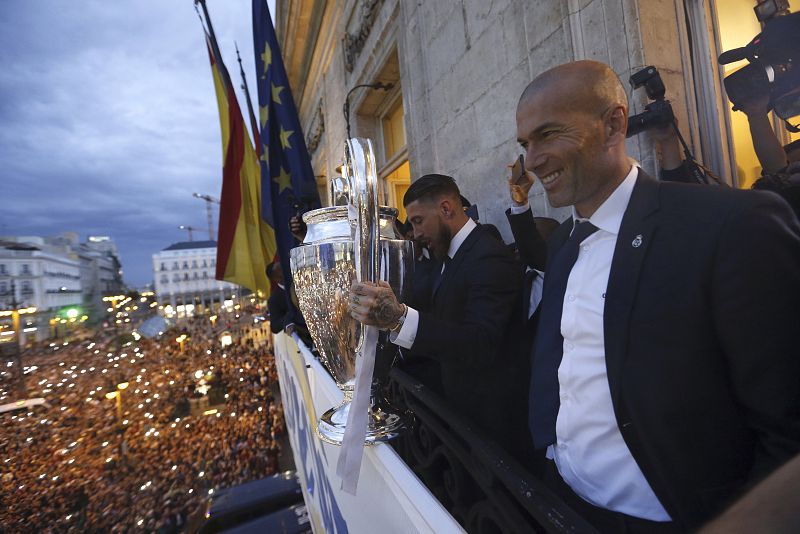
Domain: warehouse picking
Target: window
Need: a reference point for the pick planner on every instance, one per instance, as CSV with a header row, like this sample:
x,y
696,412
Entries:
x,y
185,276
196,276
176,277
26,269
185,264
164,279
174,265
26,287
194,264
715,27
163,266
396,172
3,268
205,263
205,275
3,287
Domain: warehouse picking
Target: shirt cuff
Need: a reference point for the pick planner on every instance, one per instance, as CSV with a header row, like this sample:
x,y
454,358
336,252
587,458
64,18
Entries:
x,y
516,210
408,332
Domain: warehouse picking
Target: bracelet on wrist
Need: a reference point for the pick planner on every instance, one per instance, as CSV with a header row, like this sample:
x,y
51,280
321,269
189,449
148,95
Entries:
x,y
400,319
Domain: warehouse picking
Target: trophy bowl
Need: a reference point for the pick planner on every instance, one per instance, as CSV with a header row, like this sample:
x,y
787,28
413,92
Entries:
x,y
323,269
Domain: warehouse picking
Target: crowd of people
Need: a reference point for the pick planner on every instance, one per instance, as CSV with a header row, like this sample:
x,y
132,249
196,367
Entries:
x,y
76,464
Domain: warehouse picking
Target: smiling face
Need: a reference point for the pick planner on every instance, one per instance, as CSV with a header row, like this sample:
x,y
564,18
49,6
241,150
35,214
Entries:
x,y
571,138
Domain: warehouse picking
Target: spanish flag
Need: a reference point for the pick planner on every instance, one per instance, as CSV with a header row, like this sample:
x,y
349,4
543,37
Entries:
x,y
246,243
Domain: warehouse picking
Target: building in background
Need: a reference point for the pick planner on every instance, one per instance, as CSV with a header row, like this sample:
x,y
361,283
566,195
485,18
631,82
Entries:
x,y
183,274
64,279
50,281
458,68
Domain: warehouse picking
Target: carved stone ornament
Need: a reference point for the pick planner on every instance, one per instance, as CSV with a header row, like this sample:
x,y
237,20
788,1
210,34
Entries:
x,y
354,42
312,142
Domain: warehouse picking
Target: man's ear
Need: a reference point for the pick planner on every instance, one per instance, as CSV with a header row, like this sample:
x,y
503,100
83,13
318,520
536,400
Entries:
x,y
446,207
615,125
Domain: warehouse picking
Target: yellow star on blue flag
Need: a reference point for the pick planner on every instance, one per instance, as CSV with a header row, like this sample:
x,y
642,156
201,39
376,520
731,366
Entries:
x,y
286,171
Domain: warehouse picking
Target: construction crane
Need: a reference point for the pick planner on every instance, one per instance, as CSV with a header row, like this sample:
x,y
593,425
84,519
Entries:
x,y
209,200
190,229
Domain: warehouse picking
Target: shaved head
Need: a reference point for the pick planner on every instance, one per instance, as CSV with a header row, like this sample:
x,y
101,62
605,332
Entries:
x,y
571,123
591,86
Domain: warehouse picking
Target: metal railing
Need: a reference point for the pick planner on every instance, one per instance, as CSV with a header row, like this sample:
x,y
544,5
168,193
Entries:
x,y
478,482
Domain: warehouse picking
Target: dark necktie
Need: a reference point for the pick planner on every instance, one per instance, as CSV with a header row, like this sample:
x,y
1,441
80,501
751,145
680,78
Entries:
x,y
548,348
440,275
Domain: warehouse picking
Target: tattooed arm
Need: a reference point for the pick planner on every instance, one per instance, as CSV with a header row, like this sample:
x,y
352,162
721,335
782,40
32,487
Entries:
x,y
375,304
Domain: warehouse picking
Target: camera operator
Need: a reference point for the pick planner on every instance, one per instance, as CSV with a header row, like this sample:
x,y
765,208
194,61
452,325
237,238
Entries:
x,y
768,148
659,120
673,166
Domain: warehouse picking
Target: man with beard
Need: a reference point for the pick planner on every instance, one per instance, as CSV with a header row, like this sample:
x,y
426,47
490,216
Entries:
x,y
475,289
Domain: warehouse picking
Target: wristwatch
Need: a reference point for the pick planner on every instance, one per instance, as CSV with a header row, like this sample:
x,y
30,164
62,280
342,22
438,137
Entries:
x,y
400,320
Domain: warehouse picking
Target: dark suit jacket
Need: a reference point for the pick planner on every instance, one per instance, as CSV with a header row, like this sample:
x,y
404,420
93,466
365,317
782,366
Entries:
x,y
532,247
465,328
281,311
426,370
702,340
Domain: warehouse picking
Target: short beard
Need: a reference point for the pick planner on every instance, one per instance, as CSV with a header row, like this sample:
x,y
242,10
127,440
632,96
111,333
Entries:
x,y
441,244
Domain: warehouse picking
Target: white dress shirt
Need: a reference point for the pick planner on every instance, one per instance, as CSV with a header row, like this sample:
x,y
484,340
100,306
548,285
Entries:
x,y
590,453
408,332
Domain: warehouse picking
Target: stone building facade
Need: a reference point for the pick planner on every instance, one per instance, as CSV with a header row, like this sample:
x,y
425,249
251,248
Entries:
x,y
458,68
184,275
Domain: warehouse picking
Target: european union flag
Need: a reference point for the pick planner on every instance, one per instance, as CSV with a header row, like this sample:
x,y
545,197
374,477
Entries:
x,y
286,174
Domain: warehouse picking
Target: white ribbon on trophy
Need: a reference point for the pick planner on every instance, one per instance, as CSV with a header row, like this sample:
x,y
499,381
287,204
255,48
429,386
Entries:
x,y
363,214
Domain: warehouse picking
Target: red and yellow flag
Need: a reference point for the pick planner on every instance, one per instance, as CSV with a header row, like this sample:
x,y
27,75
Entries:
x,y
246,243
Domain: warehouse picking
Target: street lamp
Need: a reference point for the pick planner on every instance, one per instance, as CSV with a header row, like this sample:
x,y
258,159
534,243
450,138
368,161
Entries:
x,y
117,394
181,339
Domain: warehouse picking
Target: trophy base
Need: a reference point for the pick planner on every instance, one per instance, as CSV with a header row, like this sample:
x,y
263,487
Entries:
x,y
382,425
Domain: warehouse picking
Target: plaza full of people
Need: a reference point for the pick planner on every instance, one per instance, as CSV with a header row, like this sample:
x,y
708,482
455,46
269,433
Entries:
x,y
81,463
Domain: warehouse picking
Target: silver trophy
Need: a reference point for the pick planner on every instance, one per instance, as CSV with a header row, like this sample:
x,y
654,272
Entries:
x,y
342,241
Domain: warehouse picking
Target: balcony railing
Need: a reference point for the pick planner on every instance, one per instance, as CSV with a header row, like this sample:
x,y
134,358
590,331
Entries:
x,y
479,483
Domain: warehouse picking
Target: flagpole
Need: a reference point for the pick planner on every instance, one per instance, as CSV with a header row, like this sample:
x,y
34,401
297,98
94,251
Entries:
x,y
213,35
253,124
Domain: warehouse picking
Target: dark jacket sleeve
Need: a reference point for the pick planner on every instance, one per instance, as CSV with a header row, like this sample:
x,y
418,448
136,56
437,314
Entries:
x,y
756,290
278,311
475,332
532,247
680,174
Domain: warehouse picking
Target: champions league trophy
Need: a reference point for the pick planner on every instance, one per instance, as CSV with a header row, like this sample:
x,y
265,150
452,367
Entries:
x,y
342,242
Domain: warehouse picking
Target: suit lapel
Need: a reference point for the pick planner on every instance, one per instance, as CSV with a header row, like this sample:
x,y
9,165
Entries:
x,y
455,263
636,234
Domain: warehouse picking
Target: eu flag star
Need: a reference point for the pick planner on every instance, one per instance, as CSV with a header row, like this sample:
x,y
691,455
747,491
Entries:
x,y
266,57
284,180
276,93
285,138
263,113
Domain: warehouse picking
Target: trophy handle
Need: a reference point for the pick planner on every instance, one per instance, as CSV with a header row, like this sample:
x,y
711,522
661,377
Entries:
x,y
360,171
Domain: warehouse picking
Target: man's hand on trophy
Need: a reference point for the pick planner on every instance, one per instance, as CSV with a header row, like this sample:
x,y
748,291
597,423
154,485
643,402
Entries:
x,y
375,304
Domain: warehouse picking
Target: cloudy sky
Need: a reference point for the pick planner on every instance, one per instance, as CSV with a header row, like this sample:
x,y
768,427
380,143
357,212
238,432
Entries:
x,y
109,119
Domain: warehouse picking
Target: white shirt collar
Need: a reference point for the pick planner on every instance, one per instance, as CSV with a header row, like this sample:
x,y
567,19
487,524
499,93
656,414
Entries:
x,y
282,286
608,217
460,237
